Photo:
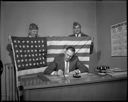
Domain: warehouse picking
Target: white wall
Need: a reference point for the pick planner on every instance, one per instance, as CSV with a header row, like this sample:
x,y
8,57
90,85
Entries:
x,y
110,13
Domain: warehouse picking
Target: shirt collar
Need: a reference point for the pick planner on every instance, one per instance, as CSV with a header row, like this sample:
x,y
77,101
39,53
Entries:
x,y
78,35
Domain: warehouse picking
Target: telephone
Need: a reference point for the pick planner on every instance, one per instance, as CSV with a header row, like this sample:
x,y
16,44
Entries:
x,y
102,69
76,75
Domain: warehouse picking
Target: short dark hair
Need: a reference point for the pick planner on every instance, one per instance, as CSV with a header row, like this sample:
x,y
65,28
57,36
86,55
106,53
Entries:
x,y
33,26
76,24
71,48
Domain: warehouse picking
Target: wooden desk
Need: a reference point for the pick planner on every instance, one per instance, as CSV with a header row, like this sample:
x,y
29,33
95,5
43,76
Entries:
x,y
90,87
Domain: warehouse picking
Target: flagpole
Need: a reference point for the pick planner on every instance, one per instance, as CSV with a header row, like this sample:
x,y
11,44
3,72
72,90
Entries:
x,y
17,82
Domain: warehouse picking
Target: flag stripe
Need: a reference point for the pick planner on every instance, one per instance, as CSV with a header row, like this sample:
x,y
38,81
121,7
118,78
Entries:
x,y
68,38
87,65
50,59
82,54
57,51
57,43
78,54
64,46
84,58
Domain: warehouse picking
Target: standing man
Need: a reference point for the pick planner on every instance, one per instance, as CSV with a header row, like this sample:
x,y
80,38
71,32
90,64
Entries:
x,y
33,30
67,63
77,31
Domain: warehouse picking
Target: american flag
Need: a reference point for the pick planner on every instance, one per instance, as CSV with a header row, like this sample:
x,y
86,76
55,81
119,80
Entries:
x,y
33,55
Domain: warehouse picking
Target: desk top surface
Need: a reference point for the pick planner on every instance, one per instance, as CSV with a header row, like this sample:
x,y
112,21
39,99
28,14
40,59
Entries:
x,y
45,81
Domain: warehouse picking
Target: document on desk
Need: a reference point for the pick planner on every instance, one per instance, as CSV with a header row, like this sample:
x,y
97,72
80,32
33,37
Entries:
x,y
54,77
118,74
58,78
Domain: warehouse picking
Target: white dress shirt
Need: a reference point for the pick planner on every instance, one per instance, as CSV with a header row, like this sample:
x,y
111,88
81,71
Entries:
x,y
77,35
66,67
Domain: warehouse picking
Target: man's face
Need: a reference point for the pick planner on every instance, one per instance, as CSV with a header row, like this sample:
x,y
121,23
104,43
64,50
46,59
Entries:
x,y
68,54
33,32
76,29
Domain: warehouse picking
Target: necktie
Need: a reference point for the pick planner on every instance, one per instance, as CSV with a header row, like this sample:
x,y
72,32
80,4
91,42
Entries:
x,y
66,67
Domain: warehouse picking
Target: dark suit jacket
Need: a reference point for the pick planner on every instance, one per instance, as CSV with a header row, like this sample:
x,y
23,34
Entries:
x,y
59,64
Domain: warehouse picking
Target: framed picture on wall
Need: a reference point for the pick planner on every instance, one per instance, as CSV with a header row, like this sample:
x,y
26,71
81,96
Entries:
x,y
119,39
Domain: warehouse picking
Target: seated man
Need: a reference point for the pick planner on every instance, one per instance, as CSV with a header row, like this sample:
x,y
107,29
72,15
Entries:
x,y
66,63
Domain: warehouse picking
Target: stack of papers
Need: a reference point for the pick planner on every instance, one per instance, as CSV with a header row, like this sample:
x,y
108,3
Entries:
x,y
118,74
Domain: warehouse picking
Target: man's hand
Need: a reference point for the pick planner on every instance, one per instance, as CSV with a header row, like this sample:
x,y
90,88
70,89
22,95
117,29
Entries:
x,y
75,72
54,73
60,72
